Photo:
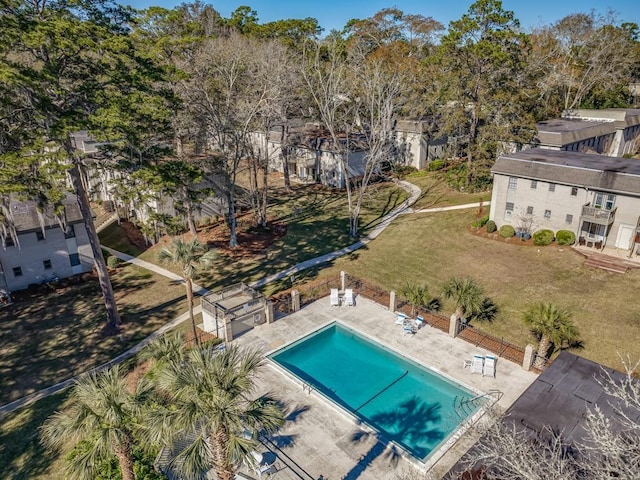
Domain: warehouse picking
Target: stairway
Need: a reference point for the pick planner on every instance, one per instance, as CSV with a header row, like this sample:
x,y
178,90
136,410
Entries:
x,y
608,265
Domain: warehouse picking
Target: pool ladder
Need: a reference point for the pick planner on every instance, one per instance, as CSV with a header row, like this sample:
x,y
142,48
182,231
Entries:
x,y
307,387
464,407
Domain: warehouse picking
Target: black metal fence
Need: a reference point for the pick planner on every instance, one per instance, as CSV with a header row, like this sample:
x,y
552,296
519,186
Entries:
x,y
313,291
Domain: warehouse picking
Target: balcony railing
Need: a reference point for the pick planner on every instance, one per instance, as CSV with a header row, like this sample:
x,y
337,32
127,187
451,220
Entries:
x,y
600,216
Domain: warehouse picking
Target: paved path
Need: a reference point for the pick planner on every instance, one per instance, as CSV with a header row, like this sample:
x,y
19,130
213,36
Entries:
x,y
154,268
403,208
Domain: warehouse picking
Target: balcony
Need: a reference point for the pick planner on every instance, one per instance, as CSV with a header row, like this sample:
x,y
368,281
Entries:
x,y
599,216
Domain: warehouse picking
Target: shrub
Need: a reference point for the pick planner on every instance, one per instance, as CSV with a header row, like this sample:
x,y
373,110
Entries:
x,y
436,165
481,222
113,262
507,231
491,226
565,237
542,237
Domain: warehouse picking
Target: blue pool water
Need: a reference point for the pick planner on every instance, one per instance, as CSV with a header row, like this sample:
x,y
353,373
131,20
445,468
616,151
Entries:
x,y
408,404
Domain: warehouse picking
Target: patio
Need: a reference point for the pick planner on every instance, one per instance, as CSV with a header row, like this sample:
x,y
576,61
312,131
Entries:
x,y
321,439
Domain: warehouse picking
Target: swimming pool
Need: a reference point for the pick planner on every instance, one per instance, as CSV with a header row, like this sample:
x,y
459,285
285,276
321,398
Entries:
x,y
413,406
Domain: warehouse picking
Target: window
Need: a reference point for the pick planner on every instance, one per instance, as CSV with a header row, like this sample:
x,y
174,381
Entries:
x,y
74,258
552,187
534,184
574,191
547,214
605,200
40,236
508,210
529,210
47,264
70,232
513,183
17,271
568,219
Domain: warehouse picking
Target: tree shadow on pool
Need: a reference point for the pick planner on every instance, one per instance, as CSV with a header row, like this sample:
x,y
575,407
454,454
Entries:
x,y
414,420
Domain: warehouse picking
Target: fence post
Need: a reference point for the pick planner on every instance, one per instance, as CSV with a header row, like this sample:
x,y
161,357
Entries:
x,y
295,300
228,330
393,303
268,312
528,357
343,280
453,325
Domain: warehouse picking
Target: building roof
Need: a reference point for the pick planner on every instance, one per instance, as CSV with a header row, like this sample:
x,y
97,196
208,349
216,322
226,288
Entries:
x,y
559,132
26,218
621,117
561,396
596,172
558,400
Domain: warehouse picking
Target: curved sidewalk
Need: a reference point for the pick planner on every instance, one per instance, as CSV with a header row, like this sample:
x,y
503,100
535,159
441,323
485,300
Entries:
x,y
403,208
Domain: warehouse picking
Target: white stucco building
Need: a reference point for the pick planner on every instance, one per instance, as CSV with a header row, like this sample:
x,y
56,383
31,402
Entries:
x,y
41,250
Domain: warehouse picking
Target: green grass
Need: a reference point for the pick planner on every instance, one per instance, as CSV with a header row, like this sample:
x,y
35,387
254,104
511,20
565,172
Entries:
x,y
435,193
317,223
49,337
115,236
431,248
22,456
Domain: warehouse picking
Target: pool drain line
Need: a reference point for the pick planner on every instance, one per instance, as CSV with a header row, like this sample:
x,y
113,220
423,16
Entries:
x,y
384,390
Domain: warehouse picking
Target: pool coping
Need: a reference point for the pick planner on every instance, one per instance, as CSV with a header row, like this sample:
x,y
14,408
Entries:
x,y
436,454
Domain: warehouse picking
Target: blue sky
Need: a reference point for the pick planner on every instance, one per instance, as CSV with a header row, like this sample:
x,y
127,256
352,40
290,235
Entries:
x,y
336,13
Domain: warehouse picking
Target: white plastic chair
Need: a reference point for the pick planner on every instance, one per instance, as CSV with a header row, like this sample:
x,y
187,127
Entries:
x,y
477,364
348,297
401,319
489,367
335,297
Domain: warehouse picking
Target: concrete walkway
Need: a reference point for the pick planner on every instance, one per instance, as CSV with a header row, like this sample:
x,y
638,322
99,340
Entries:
x,y
154,268
403,208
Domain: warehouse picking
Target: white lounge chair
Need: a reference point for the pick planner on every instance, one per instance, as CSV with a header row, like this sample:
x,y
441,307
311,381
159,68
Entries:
x,y
476,364
489,367
401,319
419,322
348,297
335,297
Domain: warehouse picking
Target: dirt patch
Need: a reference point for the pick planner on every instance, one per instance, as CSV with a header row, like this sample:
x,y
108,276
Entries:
x,y
482,232
252,240
134,235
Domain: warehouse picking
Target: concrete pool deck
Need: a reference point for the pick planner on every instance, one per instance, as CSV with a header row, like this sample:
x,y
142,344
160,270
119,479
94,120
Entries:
x,y
323,439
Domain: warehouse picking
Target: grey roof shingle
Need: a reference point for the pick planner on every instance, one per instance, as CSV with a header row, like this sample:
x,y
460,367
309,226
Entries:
x,y
26,218
597,172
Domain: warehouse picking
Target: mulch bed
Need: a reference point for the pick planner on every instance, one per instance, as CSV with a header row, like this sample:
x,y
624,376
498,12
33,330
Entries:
x,y
482,232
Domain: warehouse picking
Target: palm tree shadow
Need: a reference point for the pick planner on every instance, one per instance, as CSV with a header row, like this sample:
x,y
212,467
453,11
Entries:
x,y
414,421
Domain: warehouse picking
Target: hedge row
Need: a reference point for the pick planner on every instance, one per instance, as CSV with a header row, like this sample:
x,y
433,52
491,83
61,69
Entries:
x,y
540,238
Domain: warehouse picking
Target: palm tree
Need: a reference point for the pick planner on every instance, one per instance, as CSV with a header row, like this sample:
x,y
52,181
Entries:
x,y
552,325
100,417
417,295
209,401
190,256
466,294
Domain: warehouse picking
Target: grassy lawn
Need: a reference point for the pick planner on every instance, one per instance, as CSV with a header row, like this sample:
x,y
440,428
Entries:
x,y
436,194
49,337
115,237
317,223
22,457
431,248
